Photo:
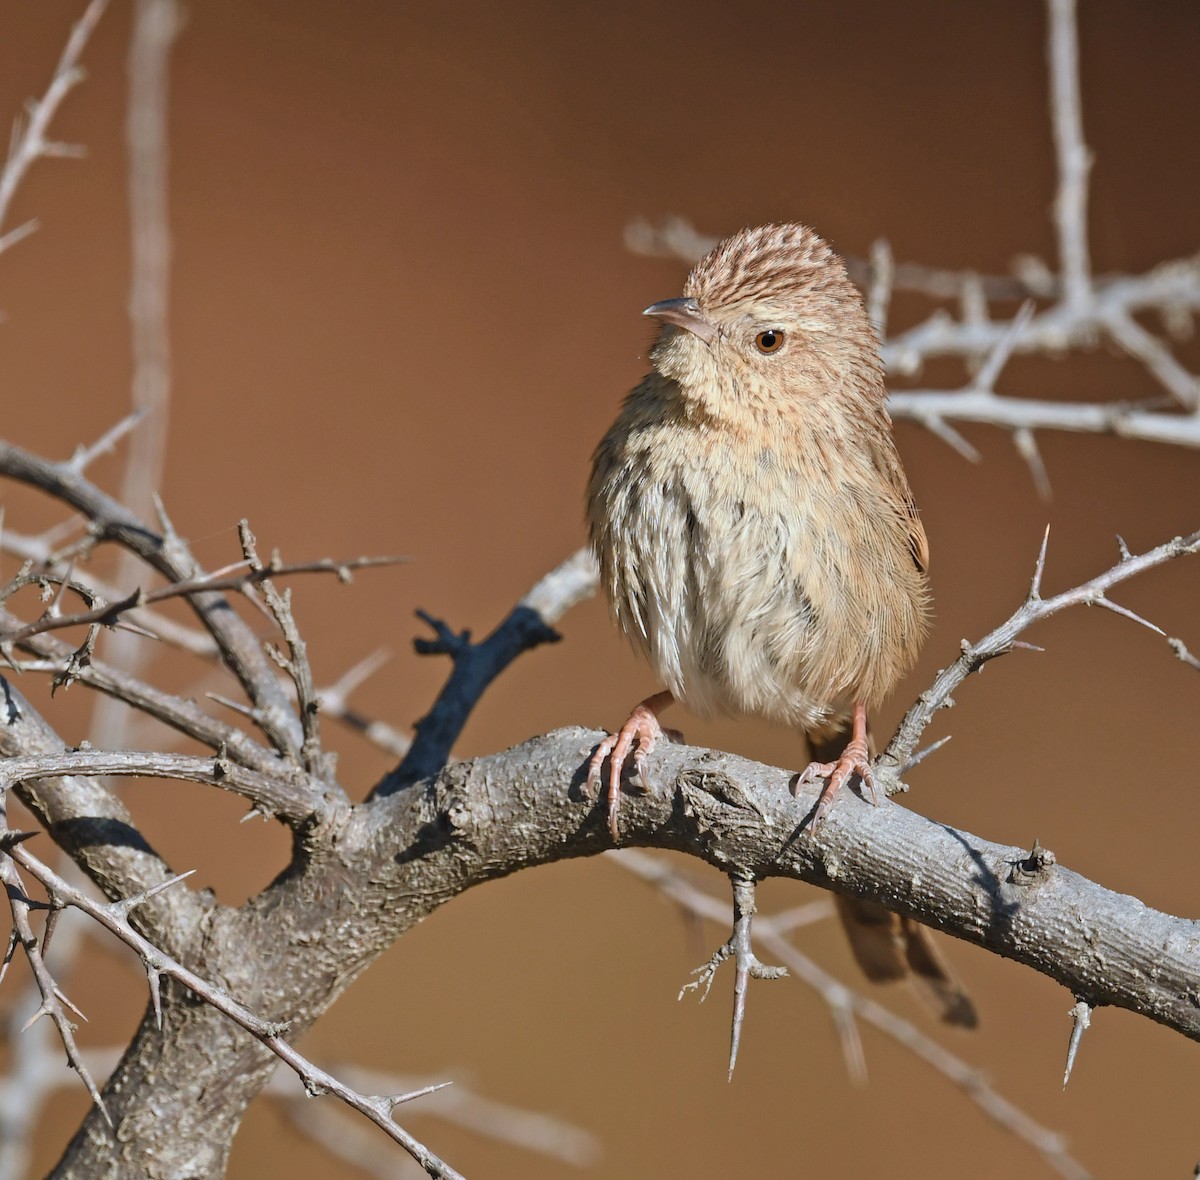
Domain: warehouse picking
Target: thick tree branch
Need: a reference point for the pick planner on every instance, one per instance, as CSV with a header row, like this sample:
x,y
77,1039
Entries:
x,y
491,816
93,826
114,917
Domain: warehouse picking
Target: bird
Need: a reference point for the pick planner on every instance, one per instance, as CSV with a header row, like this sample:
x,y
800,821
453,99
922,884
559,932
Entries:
x,y
757,539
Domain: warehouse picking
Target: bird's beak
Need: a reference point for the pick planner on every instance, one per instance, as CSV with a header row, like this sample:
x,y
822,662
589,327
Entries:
x,y
686,314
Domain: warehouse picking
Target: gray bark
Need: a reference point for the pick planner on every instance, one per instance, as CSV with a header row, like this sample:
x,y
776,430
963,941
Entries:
x,y
372,871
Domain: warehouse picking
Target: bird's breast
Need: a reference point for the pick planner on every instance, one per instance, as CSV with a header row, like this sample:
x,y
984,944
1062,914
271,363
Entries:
x,y
729,570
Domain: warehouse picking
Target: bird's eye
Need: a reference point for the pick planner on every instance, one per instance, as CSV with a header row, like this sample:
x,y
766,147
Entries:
x,y
769,341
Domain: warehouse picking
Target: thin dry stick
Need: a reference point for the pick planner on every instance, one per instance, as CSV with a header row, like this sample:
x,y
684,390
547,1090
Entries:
x,y
238,577
335,703
844,1004
156,24
461,1106
29,142
475,665
53,1002
1035,608
275,794
295,663
169,554
1074,159
35,1063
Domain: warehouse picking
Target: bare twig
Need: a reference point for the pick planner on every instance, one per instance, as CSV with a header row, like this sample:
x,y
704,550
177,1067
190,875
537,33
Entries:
x,y
335,702
1002,639
1074,159
458,1105
279,795
169,555
1181,651
53,1002
295,664
740,948
29,142
155,26
845,1004
177,712
879,291
1122,419
250,573
35,1069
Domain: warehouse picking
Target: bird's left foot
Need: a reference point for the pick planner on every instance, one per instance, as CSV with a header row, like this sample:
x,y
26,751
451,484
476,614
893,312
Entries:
x,y
855,760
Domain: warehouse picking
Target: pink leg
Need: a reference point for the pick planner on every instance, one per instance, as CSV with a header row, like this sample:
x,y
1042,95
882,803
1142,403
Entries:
x,y
643,729
855,759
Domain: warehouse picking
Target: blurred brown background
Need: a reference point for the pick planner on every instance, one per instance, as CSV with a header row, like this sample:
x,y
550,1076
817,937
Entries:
x,y
402,316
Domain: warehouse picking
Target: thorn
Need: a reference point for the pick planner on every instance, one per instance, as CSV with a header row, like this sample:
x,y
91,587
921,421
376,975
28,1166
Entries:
x,y
48,931
739,947
1035,587
1024,646
921,755
985,379
394,1100
155,995
1027,448
1081,1019
104,444
951,437
1117,609
236,706
126,904
53,610
12,837
42,1010
8,953
1123,549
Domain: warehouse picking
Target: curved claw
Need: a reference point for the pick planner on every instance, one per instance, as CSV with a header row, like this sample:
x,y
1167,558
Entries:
x,y
638,735
855,760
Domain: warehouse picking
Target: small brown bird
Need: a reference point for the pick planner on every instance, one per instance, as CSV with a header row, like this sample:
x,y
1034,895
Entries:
x,y
757,538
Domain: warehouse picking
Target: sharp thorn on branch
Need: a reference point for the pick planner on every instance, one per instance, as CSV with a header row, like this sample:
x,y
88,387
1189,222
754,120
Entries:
x,y
1026,444
921,755
84,456
1125,612
1035,586
985,379
1081,1019
394,1100
951,437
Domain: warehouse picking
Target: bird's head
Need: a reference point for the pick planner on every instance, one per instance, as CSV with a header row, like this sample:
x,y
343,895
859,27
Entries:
x,y
768,323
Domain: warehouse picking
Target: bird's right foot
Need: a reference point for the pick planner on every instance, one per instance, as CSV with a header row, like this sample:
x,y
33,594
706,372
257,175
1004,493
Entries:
x,y
638,736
